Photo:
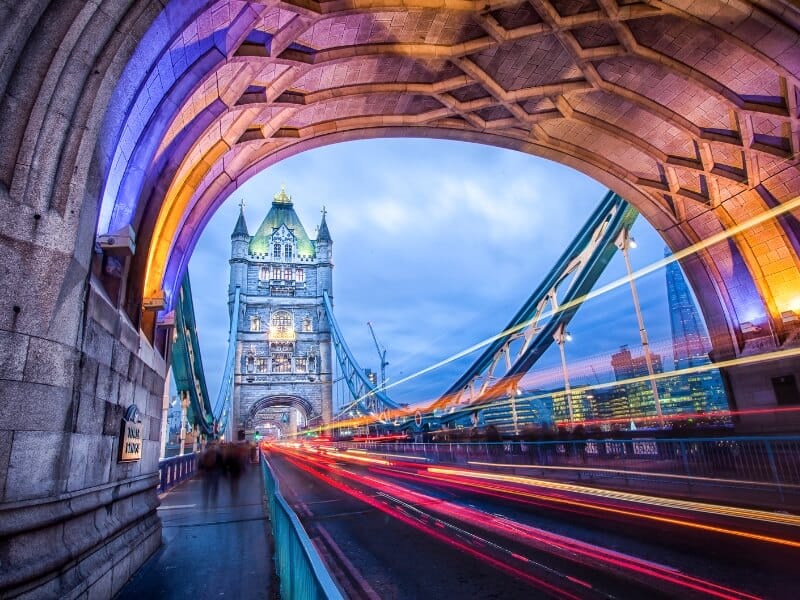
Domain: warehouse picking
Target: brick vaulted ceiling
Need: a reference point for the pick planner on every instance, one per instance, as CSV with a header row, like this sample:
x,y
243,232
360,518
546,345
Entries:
x,y
689,108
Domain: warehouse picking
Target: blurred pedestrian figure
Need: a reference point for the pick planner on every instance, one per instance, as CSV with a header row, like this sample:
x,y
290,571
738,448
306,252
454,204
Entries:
x,y
235,460
210,471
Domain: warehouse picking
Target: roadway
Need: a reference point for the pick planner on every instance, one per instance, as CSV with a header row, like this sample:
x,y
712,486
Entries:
x,y
390,528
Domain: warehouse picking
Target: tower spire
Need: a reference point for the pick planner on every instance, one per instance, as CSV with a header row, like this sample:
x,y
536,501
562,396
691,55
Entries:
x,y
323,235
240,230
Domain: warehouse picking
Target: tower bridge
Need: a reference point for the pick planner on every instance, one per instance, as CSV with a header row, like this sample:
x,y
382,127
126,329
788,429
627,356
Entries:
x,y
126,123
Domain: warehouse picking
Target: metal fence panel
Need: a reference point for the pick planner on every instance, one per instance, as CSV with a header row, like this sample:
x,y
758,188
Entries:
x,y
302,574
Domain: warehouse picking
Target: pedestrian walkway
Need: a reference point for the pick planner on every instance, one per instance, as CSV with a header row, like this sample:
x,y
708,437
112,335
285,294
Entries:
x,y
213,551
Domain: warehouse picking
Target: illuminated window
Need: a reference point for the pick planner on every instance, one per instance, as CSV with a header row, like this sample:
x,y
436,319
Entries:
x,y
276,272
281,326
281,363
301,364
287,274
287,249
263,274
255,323
261,365
299,275
307,324
276,250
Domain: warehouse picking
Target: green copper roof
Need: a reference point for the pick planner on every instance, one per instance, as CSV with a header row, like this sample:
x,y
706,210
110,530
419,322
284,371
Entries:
x,y
281,213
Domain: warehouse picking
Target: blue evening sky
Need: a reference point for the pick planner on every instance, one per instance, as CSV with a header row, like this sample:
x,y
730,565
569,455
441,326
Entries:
x,y
438,244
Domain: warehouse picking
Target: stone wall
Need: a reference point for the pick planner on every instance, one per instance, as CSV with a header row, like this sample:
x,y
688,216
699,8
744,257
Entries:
x,y
74,520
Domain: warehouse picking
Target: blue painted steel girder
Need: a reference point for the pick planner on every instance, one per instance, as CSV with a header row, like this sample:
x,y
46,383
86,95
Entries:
x,y
584,260
187,363
366,396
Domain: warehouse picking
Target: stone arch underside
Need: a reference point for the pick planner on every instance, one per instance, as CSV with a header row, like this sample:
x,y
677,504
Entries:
x,y
277,401
691,113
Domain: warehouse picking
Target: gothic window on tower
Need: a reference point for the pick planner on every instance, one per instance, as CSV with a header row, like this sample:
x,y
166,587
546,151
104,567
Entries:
x,y
301,364
288,252
255,323
287,274
281,326
281,363
307,324
263,274
251,362
276,250
299,275
276,272
261,365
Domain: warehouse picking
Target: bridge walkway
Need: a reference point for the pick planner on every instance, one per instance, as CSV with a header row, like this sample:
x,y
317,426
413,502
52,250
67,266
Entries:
x,y
214,549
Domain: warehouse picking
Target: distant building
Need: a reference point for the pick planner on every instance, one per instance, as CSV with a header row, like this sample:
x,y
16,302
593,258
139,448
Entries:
x,y
703,390
283,344
638,394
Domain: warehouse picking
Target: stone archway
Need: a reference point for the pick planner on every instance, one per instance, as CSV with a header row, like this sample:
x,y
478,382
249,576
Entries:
x,y
281,400
146,113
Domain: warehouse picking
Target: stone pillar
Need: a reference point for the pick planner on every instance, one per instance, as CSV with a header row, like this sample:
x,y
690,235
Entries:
x,y
326,378
165,414
184,409
292,421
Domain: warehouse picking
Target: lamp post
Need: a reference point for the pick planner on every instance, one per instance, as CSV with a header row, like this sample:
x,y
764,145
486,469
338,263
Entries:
x,y
514,393
624,243
561,336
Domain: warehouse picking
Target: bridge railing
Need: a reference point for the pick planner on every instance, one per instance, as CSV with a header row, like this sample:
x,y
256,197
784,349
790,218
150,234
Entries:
x,y
175,469
755,461
302,574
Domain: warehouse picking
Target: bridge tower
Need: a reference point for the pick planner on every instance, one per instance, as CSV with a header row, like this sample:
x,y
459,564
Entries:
x,y
283,343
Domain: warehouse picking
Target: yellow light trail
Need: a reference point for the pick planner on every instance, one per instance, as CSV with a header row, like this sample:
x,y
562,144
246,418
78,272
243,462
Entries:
x,y
624,472
714,509
742,360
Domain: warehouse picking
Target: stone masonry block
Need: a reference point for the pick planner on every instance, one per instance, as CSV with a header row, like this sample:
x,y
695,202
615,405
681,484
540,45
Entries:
x,y
112,418
91,414
6,437
120,358
13,350
98,343
34,466
79,455
50,363
34,407
88,375
99,465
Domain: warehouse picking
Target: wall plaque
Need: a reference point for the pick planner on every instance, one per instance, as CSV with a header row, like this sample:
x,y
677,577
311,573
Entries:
x,y
130,441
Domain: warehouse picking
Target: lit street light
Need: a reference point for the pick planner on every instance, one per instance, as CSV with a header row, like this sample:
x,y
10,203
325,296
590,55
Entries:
x,y
561,336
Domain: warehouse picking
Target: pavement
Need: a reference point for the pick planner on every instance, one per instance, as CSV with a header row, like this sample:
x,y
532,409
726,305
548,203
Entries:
x,y
213,547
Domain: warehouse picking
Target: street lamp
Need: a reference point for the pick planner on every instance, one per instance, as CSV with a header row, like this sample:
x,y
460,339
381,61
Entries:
x,y
514,393
561,336
624,242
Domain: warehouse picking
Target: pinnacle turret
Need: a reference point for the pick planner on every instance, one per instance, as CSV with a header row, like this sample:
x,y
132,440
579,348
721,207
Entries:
x,y
240,230
323,235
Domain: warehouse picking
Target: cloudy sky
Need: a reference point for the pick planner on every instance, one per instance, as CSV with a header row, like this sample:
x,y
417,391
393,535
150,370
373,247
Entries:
x,y
437,244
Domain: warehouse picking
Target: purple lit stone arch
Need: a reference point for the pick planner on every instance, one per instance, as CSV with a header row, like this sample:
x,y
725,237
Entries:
x,y
155,143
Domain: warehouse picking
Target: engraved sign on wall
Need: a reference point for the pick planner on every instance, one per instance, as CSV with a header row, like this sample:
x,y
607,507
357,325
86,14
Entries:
x,y
130,441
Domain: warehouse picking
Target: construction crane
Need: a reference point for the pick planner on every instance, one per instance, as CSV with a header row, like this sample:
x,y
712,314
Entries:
x,y
381,355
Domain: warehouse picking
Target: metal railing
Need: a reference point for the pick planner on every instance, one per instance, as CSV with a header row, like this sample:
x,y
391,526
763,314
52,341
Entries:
x,y
759,461
175,469
302,574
